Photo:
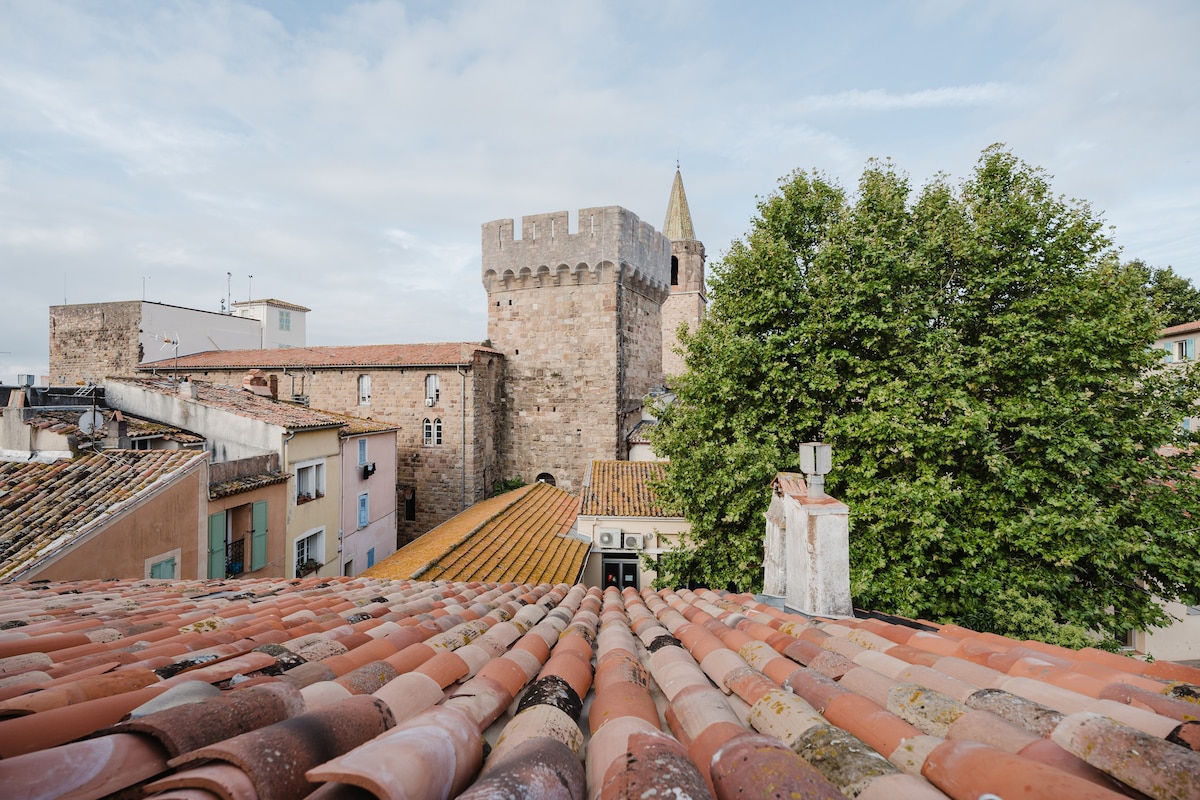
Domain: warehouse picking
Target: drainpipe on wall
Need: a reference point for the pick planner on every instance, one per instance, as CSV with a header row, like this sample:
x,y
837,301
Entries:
x,y
462,413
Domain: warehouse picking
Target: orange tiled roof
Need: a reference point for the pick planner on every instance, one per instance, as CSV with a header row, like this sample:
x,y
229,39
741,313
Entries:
x,y
1186,327
623,489
517,536
362,356
365,682
43,507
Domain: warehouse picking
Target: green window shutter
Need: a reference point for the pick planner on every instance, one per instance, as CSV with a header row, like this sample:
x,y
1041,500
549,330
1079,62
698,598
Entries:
x,y
163,569
258,543
216,545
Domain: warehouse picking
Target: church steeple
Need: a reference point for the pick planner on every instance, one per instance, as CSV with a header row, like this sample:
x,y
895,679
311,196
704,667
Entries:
x,y
678,226
687,301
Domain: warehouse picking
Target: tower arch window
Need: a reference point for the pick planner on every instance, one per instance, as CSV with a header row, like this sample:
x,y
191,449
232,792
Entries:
x,y
674,270
432,431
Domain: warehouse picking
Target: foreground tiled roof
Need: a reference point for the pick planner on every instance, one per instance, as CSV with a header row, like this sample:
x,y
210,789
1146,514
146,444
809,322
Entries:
x,y
238,401
44,507
365,687
623,489
520,535
366,355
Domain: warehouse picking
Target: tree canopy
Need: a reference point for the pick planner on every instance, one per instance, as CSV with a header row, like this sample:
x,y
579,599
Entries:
x,y
1009,446
1172,295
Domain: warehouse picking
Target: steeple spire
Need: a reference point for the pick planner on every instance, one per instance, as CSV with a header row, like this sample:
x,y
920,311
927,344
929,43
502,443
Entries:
x,y
678,226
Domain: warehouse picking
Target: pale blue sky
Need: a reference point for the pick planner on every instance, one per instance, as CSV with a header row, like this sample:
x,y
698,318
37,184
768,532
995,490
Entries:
x,y
345,154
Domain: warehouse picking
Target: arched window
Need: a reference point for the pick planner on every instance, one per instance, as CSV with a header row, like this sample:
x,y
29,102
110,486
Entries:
x,y
546,477
674,270
432,431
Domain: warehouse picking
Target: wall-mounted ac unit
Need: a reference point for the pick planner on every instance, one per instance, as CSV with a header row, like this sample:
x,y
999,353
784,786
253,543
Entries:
x,y
609,538
368,470
429,402
632,541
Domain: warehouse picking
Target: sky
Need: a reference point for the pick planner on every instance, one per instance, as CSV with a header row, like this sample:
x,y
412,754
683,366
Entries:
x,y
343,156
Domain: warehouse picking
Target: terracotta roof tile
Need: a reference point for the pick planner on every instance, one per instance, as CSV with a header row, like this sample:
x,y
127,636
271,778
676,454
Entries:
x,y
43,507
624,489
238,401
520,535
363,356
573,689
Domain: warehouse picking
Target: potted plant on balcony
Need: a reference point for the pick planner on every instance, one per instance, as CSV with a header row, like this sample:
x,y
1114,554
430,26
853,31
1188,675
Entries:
x,y
308,567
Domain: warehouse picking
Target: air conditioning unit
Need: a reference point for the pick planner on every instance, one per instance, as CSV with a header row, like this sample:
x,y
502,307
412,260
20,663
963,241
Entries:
x,y
609,538
429,402
632,541
300,399
368,470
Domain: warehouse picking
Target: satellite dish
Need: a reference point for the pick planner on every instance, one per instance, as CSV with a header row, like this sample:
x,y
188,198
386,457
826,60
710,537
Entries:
x,y
91,421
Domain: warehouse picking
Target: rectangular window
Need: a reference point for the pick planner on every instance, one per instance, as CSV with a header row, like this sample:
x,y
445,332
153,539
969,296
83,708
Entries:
x,y
371,558
432,392
310,481
364,511
364,390
310,552
1185,350
410,506
285,320
163,569
362,451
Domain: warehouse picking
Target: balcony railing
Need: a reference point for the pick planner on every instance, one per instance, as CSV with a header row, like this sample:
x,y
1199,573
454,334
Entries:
x,y
235,561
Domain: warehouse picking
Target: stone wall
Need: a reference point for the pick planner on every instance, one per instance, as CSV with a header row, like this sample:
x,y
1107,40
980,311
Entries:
x,y
91,341
578,317
433,475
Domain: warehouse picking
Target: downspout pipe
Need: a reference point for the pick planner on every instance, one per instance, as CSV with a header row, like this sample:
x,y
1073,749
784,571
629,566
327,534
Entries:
x,y
462,413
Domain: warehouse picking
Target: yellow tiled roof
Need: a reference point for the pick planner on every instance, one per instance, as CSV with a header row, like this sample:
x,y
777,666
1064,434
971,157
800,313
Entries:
x,y
519,536
623,489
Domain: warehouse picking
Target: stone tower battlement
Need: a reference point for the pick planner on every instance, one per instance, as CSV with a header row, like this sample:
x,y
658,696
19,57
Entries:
x,y
611,244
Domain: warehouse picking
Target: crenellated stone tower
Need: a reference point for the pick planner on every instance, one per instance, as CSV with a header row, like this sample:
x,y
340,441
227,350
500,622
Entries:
x,y
578,316
687,300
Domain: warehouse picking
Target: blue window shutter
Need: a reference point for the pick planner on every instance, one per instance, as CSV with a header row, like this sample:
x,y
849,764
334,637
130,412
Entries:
x,y
1170,352
371,557
1189,349
258,541
363,511
216,545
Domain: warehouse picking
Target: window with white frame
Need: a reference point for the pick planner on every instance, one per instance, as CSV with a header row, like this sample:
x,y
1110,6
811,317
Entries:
x,y
362,451
364,510
285,320
432,431
364,390
310,480
310,552
432,392
1184,350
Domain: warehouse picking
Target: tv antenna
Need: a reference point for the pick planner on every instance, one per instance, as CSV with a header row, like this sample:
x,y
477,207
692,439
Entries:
x,y
169,340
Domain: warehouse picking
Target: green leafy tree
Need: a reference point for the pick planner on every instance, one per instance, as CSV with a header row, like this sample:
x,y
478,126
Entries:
x,y
980,362
1172,295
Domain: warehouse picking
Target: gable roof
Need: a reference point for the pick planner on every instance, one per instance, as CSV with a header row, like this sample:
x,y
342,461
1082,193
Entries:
x,y
364,682
44,508
517,536
366,356
624,489
1175,330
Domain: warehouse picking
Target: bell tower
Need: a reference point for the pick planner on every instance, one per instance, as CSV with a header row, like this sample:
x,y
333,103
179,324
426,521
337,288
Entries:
x,y
687,300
